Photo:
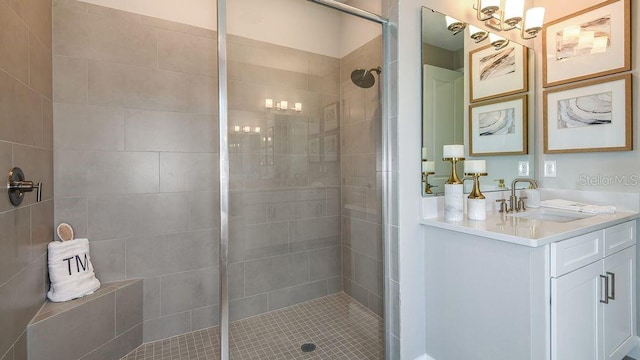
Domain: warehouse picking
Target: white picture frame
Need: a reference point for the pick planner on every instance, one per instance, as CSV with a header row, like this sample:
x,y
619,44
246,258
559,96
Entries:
x,y
499,127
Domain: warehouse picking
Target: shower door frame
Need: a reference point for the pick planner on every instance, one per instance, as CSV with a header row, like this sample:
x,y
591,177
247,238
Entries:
x,y
386,168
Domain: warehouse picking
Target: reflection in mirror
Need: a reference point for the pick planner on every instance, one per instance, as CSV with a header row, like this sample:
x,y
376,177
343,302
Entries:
x,y
446,47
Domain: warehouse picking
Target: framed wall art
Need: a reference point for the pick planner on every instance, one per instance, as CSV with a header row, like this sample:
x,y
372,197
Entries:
x,y
498,127
589,116
495,73
590,43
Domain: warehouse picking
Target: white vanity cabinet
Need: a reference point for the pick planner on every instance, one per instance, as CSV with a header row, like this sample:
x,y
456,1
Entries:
x,y
593,295
569,298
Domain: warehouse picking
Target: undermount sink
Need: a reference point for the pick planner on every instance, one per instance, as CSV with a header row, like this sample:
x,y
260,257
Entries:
x,y
557,216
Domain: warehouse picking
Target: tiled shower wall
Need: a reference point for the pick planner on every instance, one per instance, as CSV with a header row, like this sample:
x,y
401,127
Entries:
x,y
26,141
362,260
137,165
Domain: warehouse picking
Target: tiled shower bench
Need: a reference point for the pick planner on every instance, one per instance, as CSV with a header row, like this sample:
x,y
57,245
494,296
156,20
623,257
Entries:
x,y
104,325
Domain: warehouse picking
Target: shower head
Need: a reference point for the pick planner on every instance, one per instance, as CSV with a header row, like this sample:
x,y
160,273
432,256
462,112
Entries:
x,y
364,78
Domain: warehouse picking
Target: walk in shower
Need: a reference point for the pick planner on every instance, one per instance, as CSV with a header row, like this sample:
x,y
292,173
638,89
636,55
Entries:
x,y
284,248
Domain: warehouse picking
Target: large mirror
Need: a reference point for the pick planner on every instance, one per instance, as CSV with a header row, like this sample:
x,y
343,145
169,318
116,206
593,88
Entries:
x,y
470,97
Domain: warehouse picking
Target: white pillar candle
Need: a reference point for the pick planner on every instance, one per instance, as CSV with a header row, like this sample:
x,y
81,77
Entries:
x,y
475,166
424,153
453,151
428,166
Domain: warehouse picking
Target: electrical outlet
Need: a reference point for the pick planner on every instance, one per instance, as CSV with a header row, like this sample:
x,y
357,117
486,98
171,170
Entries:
x,y
523,168
550,168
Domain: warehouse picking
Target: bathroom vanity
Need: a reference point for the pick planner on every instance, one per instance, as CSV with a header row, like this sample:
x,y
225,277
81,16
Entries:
x,y
540,284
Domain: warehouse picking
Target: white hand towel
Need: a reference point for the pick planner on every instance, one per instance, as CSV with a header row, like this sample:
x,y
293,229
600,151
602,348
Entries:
x,y
70,270
576,206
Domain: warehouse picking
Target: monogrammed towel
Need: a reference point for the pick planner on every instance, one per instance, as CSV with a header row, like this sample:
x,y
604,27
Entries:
x,y
70,270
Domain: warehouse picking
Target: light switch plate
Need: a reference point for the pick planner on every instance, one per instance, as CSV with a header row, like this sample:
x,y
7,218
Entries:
x,y
523,168
550,168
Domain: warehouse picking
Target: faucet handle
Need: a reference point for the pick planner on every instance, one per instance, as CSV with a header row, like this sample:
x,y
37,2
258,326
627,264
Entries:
x,y
503,205
521,206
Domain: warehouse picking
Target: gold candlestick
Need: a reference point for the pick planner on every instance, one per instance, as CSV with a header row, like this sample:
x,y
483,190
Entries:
x,y
475,192
453,179
425,179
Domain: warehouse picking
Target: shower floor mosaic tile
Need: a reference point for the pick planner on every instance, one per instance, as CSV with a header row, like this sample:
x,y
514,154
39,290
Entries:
x,y
340,327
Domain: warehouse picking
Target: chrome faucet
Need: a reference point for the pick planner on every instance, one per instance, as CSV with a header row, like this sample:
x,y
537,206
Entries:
x,y
514,204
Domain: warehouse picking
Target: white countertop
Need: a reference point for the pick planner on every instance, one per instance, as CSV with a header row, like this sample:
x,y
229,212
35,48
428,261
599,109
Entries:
x,y
530,232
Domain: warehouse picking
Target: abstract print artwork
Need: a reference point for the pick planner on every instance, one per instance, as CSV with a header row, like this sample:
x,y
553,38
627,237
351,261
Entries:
x,y
584,39
585,110
589,43
496,73
499,127
498,63
589,116
497,122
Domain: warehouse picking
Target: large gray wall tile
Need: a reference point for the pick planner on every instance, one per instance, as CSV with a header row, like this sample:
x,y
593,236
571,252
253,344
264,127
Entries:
x,y
14,36
182,172
119,217
118,347
84,173
187,53
6,162
170,131
87,127
247,307
70,80
204,210
22,297
203,94
166,326
139,87
189,290
73,211
275,273
37,15
264,240
129,307
47,123
102,38
15,242
18,102
205,317
296,294
108,260
325,263
151,298
150,256
42,229
368,273
314,233
40,68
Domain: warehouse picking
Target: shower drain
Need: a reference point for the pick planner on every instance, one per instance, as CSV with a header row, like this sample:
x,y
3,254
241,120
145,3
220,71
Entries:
x,y
308,347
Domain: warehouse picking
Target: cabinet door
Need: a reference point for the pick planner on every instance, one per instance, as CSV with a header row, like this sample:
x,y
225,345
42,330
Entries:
x,y
619,313
576,314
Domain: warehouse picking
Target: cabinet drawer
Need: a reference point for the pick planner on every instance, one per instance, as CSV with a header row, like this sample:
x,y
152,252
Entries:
x,y
619,237
576,252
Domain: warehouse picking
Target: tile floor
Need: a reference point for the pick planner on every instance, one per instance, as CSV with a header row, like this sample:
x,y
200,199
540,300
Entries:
x,y
340,327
